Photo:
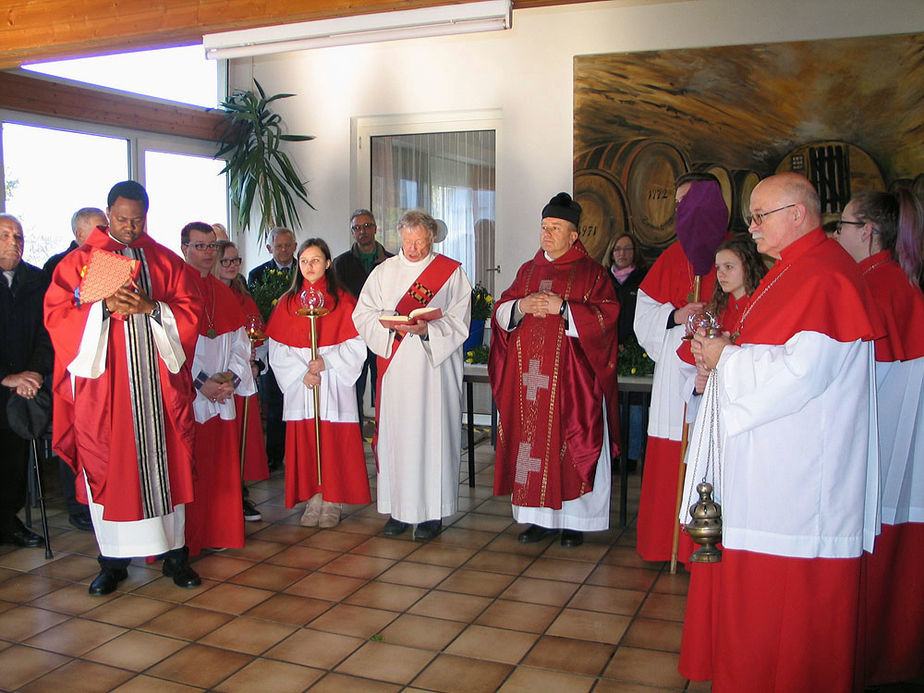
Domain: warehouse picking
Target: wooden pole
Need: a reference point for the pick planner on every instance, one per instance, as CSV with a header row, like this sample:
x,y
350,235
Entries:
x,y
682,466
317,393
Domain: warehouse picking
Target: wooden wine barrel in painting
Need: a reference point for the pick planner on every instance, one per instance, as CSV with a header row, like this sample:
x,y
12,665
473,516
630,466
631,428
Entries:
x,y
647,170
736,190
837,169
604,214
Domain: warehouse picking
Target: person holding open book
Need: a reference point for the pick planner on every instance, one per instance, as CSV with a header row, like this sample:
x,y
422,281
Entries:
x,y
419,404
333,372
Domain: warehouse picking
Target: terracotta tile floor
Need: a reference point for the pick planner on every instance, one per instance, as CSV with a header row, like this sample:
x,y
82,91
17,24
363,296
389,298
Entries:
x,y
347,609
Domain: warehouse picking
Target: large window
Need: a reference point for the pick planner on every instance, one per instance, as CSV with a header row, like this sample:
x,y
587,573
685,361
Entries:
x,y
49,174
177,74
52,168
444,165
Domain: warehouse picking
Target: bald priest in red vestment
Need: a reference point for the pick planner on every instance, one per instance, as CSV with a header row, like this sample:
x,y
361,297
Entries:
x,y
553,373
123,394
794,402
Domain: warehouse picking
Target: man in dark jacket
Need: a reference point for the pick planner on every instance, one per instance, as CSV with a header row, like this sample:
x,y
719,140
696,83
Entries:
x,y
352,268
25,362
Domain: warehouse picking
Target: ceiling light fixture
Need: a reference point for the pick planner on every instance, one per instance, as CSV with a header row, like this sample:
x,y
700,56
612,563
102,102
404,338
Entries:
x,y
444,20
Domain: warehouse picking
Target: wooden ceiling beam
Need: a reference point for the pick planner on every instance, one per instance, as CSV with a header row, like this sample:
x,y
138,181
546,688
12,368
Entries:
x,y
71,101
36,30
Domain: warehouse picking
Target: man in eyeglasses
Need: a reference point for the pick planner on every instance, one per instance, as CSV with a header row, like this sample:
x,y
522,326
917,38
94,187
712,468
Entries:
x,y
123,394
798,472
352,268
220,369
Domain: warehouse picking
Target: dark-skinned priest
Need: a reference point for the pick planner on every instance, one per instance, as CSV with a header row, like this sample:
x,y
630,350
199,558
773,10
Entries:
x,y
553,372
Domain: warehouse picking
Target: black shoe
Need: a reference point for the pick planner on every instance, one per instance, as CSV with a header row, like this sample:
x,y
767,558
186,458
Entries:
x,y
81,521
107,581
176,565
535,533
275,465
18,535
394,528
428,529
251,514
571,538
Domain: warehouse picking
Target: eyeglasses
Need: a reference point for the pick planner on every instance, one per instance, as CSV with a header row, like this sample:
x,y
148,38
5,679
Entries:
x,y
230,261
368,226
619,249
840,224
202,246
758,219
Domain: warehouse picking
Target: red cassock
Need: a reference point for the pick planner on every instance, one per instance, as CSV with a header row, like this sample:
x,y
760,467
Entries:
x,y
215,518
666,287
894,581
97,421
344,478
782,610
256,466
550,388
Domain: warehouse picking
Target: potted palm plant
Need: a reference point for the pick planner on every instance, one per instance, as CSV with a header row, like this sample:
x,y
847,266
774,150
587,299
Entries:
x,y
259,171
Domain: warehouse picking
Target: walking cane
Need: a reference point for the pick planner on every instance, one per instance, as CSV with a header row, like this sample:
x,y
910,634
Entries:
x,y
40,497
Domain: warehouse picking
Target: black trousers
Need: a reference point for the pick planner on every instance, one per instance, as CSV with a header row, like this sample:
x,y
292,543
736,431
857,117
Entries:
x,y
14,463
271,396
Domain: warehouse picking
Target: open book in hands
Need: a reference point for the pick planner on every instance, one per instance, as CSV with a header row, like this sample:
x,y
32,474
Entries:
x,y
415,316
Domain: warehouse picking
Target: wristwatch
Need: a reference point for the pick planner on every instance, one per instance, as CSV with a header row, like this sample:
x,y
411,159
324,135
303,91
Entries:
x,y
564,305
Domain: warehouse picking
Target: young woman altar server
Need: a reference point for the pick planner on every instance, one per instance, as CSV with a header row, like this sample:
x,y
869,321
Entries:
x,y
340,356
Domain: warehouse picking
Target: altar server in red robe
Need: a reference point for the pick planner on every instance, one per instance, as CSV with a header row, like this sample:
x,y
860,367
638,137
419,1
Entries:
x,y
665,302
220,369
341,354
795,403
870,226
553,373
255,464
123,393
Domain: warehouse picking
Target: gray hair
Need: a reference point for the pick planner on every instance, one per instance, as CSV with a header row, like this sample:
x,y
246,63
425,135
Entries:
x,y
414,218
10,217
83,216
280,229
362,213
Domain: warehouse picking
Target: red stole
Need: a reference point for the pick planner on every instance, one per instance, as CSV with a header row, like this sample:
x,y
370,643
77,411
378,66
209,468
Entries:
x,y
814,287
294,330
549,388
902,307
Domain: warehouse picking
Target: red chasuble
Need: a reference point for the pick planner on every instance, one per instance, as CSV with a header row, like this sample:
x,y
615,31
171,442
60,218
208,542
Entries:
x,y
96,422
343,464
549,388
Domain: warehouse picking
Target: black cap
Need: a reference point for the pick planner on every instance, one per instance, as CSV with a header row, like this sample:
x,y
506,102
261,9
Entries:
x,y
563,207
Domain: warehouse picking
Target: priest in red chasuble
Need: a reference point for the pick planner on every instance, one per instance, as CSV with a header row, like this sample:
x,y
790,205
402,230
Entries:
x,y
220,369
123,394
794,403
553,373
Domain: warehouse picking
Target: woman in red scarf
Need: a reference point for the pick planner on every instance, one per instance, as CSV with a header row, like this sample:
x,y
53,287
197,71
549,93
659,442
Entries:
x,y
340,356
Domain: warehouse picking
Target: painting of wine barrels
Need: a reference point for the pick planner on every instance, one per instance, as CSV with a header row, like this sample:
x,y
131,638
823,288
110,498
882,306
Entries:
x,y
648,113
603,204
837,170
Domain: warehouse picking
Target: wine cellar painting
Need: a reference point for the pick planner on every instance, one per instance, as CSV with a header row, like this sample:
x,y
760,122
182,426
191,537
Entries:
x,y
848,113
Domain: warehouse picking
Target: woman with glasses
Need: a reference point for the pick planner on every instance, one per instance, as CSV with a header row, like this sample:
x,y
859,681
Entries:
x,y
340,355
883,233
254,466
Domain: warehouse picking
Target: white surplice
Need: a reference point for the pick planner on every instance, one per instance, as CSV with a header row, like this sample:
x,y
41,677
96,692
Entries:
x,y
420,400
229,351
